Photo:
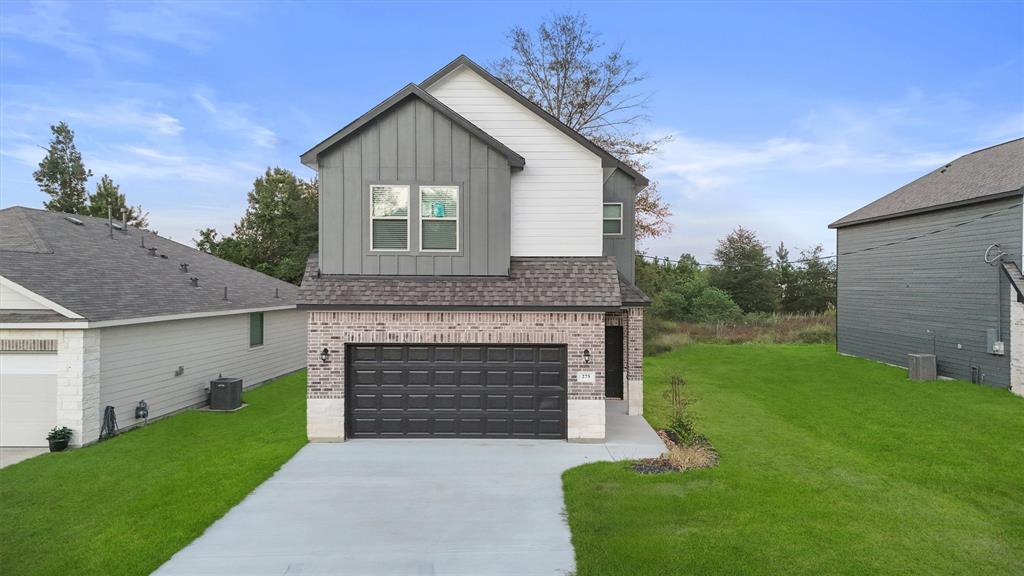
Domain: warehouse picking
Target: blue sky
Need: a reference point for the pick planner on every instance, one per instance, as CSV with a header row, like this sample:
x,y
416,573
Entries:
x,y
784,116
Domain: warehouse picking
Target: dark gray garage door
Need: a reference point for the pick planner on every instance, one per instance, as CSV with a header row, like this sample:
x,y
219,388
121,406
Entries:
x,y
456,391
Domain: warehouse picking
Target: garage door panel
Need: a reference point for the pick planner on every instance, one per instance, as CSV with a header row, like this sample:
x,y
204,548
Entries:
x,y
550,356
365,352
549,403
549,379
448,391
28,398
494,354
497,379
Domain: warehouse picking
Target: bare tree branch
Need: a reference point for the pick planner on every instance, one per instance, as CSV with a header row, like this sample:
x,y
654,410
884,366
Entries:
x,y
560,68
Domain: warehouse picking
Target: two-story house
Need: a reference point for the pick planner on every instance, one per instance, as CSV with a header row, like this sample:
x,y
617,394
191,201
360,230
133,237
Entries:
x,y
475,271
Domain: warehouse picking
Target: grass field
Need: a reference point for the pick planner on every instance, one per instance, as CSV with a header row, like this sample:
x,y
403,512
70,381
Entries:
x,y
829,465
126,505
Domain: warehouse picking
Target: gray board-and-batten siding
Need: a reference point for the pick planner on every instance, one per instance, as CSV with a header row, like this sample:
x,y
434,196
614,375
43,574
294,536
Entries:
x,y
621,187
933,294
413,144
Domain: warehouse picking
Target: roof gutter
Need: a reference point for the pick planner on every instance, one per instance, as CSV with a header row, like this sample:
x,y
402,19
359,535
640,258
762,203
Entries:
x,y
85,324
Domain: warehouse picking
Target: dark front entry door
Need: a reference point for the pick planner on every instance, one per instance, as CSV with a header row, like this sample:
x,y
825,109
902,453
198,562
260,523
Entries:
x,y
491,391
613,361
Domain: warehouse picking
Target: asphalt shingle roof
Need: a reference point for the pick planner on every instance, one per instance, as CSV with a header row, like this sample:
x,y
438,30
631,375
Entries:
x,y
990,172
532,283
83,269
631,295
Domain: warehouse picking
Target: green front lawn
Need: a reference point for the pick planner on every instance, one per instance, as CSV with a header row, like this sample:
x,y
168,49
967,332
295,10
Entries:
x,y
829,465
124,506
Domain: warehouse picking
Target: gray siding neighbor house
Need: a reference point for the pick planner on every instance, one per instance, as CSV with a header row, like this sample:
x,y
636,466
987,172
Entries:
x,y
94,315
474,274
933,267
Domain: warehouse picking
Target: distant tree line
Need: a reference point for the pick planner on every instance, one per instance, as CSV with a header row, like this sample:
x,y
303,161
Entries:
x,y
743,279
63,177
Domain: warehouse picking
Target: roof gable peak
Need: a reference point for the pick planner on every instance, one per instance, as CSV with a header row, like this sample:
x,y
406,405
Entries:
x,y
309,158
607,159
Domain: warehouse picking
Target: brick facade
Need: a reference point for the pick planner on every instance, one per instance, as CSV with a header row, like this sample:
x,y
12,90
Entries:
x,y
579,331
633,333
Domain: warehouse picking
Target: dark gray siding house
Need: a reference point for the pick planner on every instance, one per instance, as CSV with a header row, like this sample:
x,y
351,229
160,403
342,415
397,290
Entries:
x,y
933,268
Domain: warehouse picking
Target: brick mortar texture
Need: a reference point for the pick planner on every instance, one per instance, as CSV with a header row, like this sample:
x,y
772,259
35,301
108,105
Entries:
x,y
634,345
333,330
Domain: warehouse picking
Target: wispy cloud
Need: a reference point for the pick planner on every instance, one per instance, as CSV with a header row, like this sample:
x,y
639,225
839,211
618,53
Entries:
x,y
125,114
48,24
184,25
234,117
828,162
95,33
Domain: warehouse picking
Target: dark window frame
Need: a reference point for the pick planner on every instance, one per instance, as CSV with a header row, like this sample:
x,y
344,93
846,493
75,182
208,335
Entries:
x,y
257,328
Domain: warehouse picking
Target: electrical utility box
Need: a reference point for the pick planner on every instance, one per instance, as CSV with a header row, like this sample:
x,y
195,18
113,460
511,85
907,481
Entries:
x,y
995,345
226,394
922,367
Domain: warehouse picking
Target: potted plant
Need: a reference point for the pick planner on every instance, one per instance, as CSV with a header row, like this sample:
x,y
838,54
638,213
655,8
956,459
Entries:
x,y
59,438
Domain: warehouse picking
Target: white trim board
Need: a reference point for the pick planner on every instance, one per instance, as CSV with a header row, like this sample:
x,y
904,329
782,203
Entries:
x,y
46,303
85,324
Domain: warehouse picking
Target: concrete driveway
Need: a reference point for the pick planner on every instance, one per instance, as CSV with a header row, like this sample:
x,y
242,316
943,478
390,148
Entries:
x,y
411,507
10,456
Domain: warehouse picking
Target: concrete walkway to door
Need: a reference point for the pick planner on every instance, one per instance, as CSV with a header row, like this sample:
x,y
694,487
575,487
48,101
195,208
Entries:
x,y
412,507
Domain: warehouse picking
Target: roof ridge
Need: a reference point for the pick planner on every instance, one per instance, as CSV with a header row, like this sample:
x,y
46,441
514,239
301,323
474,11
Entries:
x,y
990,147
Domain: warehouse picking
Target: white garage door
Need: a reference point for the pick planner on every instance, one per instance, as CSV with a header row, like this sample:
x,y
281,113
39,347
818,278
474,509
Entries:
x,y
28,398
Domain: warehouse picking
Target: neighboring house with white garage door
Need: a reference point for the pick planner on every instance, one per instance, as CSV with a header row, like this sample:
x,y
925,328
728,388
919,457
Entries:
x,y
93,315
475,271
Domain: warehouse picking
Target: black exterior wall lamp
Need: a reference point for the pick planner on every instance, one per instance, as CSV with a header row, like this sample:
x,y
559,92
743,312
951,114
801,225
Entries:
x,y
325,355
586,356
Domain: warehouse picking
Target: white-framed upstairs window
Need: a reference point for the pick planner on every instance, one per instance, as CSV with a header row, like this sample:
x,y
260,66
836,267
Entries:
x,y
612,218
389,218
439,218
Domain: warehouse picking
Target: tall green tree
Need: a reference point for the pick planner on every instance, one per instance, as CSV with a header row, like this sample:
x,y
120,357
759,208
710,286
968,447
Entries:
x,y
61,174
108,194
813,285
783,271
277,232
744,271
563,68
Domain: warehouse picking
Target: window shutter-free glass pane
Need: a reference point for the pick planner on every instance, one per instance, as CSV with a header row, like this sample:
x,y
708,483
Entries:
x,y
440,235
439,201
256,329
390,234
613,211
390,201
612,227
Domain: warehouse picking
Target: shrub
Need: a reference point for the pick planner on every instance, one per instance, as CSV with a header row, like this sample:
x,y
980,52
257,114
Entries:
x,y
692,300
59,433
714,305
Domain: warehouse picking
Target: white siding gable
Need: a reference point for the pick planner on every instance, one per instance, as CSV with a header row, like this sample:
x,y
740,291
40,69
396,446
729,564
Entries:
x,y
557,197
16,297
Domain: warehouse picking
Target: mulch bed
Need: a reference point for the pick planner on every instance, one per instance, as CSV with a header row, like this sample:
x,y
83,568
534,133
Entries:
x,y
680,456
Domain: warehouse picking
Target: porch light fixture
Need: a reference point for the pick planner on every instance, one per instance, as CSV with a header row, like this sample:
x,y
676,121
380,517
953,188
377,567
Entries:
x,y
325,355
586,356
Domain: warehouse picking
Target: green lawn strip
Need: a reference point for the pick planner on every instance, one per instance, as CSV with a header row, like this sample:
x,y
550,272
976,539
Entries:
x,y
126,505
829,465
